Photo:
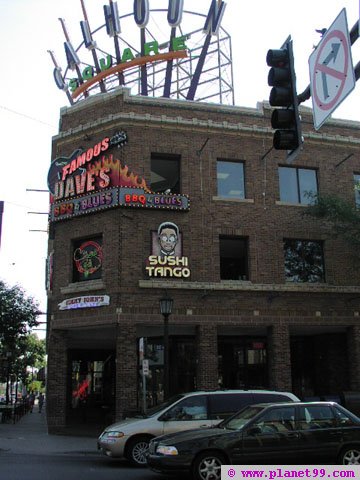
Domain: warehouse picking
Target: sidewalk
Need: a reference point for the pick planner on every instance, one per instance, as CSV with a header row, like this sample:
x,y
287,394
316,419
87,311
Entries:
x,y
29,436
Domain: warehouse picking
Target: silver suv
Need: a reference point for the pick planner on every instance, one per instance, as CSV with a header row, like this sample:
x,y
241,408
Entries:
x,y
130,438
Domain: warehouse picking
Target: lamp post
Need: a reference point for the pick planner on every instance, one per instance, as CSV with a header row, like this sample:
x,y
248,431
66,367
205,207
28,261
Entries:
x,y
166,305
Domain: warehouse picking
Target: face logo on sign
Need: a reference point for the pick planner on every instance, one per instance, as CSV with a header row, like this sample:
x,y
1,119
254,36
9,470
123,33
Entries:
x,y
168,236
166,259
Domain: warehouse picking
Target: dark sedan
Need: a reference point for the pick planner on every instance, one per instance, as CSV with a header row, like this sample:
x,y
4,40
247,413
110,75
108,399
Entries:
x,y
277,433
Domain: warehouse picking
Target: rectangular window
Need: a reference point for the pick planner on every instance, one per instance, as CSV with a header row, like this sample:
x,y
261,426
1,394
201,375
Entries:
x,y
87,259
233,258
357,189
230,179
304,261
165,173
297,185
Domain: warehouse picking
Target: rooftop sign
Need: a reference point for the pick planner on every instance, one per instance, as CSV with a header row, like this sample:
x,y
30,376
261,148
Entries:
x,y
106,58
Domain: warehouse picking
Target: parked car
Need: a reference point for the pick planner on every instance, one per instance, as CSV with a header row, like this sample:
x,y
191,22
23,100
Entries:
x,y
278,433
130,438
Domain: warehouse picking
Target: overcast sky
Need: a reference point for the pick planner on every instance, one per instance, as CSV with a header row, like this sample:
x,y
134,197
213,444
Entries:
x,y
30,101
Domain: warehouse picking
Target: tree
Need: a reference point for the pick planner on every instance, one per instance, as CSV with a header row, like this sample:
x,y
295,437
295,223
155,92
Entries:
x,y
18,314
341,218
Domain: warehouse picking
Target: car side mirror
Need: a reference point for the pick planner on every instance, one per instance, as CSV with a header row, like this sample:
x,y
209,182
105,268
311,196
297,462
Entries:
x,y
254,431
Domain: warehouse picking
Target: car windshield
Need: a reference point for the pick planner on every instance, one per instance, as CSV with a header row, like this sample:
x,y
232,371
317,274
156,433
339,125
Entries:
x,y
154,410
237,421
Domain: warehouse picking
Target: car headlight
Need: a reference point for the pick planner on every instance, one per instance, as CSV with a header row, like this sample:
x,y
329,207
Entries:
x,y
166,450
114,435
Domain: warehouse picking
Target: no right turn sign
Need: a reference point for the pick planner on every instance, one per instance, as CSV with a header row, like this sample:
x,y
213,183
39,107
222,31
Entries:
x,y
332,75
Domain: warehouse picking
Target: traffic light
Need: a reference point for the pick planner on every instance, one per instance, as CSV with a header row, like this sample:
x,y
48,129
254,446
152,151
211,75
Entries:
x,y
285,120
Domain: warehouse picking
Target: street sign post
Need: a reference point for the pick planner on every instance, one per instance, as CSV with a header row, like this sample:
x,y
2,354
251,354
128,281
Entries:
x,y
331,69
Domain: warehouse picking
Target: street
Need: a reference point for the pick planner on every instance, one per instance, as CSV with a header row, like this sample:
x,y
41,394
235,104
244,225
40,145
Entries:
x,y
71,466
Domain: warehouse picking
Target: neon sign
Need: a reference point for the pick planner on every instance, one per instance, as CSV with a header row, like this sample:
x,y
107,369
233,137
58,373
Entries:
x,y
88,258
96,71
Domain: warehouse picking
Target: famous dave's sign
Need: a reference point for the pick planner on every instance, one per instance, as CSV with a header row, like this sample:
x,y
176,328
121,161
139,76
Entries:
x,y
92,179
93,68
166,259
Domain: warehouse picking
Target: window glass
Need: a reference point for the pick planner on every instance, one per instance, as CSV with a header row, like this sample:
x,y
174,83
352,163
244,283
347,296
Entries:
x,y
233,258
288,185
277,420
165,173
297,185
316,416
191,408
357,189
344,418
230,179
87,259
304,261
223,405
307,184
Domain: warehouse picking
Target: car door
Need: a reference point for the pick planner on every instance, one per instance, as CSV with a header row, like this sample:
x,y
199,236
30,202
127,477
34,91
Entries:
x,y
271,438
320,434
189,413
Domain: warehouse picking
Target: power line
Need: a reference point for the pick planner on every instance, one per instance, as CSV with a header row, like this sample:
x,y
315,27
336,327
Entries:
x,y
27,116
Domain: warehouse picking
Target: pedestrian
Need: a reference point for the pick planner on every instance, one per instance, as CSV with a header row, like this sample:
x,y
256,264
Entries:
x,y
40,401
31,401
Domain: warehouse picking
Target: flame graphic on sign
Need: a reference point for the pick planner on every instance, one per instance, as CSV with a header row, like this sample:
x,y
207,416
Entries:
x,y
120,175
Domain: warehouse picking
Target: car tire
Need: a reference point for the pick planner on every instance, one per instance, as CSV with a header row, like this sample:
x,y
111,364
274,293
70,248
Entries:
x,y
207,466
136,451
350,456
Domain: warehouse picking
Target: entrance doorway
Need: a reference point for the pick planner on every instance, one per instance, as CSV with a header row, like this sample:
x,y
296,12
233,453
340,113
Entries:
x,y
91,386
242,362
319,364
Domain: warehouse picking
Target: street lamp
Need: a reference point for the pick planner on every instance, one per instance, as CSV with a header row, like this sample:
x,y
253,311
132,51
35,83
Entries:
x,y
166,305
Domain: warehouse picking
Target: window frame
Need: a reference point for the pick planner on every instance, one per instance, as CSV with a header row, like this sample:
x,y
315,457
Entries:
x,y
171,157
243,186
299,192
321,244
245,247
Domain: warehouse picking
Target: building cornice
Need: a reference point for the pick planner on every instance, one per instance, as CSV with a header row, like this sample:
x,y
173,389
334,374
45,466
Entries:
x,y
166,121
230,285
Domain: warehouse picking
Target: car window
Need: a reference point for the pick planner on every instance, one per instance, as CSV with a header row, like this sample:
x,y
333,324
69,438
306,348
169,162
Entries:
x,y
222,405
275,420
191,408
344,419
237,421
316,416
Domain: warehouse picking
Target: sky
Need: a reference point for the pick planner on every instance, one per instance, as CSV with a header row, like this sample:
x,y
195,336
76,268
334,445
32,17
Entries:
x,y
30,101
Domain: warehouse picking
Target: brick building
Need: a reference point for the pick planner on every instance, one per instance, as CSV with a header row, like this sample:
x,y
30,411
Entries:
x,y
263,297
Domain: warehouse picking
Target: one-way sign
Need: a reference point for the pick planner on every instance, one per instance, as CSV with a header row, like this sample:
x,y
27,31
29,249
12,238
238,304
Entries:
x,y
332,75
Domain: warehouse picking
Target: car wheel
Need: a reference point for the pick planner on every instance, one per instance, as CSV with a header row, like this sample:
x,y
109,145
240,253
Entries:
x,y
137,450
350,456
207,466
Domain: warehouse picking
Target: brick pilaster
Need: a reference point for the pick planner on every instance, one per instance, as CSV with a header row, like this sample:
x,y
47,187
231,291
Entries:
x,y
207,361
126,369
56,382
279,358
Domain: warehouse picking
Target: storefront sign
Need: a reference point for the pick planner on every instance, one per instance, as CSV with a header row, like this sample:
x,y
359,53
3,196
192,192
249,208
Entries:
x,y
166,259
88,301
94,202
136,197
168,267
62,181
